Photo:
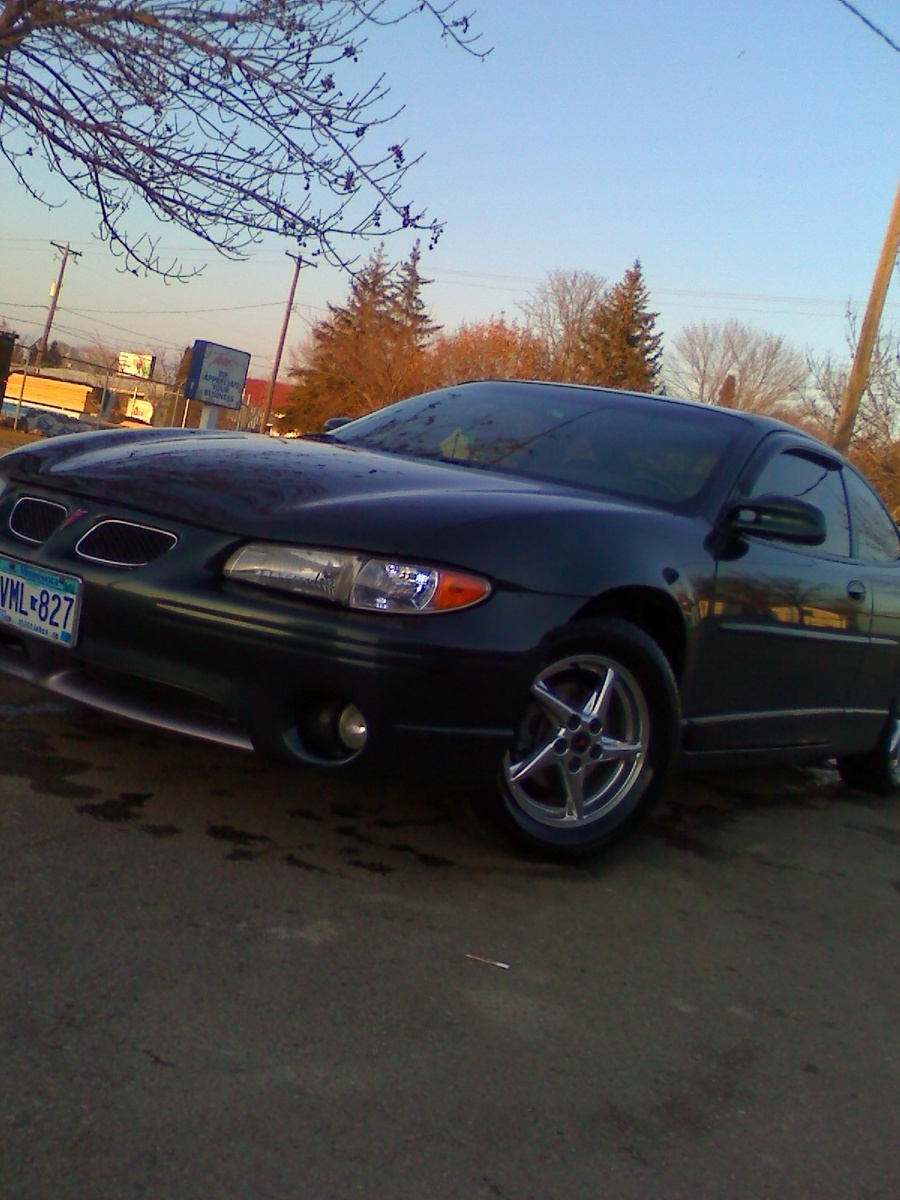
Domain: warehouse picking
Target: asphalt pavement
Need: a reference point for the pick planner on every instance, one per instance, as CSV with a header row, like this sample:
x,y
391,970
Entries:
x,y
222,978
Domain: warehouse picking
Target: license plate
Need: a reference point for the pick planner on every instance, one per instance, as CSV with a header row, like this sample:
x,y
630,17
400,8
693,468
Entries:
x,y
38,601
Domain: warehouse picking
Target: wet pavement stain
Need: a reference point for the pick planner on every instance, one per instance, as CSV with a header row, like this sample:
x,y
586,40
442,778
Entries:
x,y
16,737
680,832
883,832
681,826
160,831
376,868
689,824
427,860
350,812
253,847
87,723
409,822
293,861
305,814
51,785
248,847
896,885
28,754
126,808
694,1108
238,837
350,831
156,1059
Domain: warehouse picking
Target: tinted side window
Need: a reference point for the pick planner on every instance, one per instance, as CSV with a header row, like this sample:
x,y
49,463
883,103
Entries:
x,y
874,535
791,473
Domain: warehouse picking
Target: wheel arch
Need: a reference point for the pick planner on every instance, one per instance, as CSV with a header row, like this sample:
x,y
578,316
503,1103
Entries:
x,y
654,612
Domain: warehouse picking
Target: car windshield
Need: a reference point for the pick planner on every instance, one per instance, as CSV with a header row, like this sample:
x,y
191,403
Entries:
x,y
640,447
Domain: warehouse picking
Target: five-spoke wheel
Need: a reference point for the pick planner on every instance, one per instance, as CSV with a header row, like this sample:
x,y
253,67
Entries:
x,y
582,746
594,738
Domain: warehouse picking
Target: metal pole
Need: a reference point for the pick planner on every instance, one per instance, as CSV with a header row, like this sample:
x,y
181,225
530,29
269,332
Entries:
x,y
298,262
103,396
21,393
65,251
863,357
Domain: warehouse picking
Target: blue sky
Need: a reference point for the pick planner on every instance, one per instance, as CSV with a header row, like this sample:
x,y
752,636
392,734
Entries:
x,y
746,152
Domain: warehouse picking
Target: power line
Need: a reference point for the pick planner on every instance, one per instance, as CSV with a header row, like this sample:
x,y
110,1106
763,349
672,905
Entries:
x,y
660,292
176,312
480,279
87,334
870,24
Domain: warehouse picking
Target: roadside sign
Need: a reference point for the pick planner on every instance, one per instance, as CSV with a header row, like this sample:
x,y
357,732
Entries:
x,y
217,375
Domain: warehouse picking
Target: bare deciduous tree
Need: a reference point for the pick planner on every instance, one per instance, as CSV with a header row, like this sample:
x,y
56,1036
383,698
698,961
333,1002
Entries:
x,y
232,118
559,314
767,372
875,447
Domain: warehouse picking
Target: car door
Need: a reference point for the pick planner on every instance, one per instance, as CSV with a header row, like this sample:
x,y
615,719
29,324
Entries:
x,y
787,629
876,547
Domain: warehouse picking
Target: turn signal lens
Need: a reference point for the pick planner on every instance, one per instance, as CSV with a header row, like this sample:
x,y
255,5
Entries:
x,y
458,591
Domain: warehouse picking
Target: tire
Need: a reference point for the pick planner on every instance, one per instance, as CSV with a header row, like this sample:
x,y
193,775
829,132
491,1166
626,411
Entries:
x,y
878,769
593,745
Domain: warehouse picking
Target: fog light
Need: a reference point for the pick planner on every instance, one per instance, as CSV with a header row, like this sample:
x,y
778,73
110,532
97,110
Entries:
x,y
352,728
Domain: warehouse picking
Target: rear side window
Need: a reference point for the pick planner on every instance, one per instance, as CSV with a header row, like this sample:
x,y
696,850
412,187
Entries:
x,y
875,537
816,480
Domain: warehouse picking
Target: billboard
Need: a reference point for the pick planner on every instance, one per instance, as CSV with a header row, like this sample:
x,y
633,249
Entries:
x,y
217,375
137,364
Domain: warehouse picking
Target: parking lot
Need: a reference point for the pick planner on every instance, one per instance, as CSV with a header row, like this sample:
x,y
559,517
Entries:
x,y
226,978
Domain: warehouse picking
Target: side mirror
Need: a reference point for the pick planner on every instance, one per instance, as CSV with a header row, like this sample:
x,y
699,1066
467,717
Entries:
x,y
780,518
335,423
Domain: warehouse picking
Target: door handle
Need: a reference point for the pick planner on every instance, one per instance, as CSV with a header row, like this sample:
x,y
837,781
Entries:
x,y
856,589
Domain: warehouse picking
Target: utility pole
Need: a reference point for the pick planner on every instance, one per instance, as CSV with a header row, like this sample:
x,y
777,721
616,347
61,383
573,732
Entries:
x,y
298,262
863,357
55,289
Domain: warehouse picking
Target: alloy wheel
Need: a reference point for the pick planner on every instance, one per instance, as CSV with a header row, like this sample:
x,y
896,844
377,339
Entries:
x,y
581,749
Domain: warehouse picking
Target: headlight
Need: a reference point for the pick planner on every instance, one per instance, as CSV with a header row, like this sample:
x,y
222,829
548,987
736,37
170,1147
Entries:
x,y
356,580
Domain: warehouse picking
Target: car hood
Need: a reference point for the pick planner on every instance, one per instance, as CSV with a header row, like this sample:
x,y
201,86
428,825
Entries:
x,y
326,493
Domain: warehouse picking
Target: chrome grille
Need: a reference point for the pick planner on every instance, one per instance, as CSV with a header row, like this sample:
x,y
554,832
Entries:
x,y
33,519
124,544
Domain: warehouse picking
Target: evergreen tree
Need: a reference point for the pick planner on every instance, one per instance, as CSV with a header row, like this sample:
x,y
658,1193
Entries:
x,y
622,346
368,352
410,312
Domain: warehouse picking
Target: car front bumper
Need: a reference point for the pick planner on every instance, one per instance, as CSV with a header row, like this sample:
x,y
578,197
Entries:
x,y
176,646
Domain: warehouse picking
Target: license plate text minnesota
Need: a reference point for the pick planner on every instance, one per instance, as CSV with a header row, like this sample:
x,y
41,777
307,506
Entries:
x,y
39,602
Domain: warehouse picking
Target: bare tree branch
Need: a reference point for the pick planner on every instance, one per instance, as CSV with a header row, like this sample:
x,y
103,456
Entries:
x,y
229,118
